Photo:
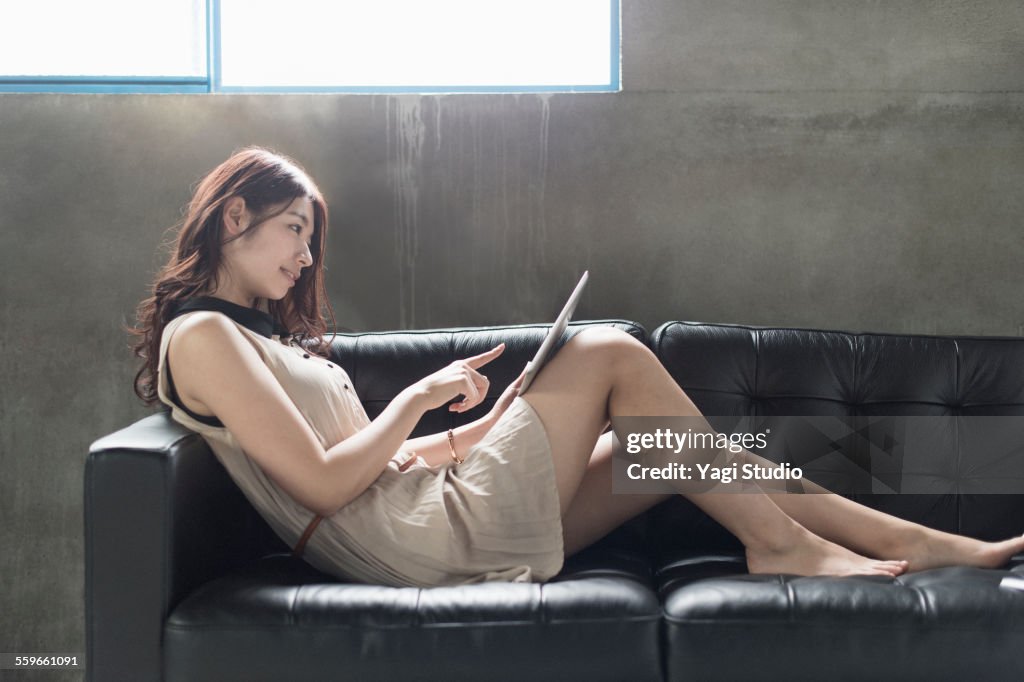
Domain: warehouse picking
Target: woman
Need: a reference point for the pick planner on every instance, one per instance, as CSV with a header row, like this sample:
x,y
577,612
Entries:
x,y
233,341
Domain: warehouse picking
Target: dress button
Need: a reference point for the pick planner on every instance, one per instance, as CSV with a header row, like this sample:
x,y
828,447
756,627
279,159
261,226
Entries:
x,y
346,387
330,366
305,355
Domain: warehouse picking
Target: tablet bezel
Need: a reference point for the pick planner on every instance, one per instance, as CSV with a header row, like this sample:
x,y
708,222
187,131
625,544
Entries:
x,y
554,334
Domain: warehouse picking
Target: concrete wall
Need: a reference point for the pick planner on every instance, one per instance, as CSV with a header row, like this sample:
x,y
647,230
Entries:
x,y
846,164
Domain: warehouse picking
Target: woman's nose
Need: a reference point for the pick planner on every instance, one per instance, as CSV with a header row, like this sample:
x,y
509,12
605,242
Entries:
x,y
305,258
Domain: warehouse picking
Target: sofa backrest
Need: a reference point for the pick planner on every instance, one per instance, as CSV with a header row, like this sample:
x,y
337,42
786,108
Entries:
x,y
753,371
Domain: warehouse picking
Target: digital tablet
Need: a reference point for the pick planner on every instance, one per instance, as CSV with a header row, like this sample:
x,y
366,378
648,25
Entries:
x,y
554,334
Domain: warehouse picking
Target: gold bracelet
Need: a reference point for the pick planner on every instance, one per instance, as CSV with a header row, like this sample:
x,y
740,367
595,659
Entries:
x,y
451,446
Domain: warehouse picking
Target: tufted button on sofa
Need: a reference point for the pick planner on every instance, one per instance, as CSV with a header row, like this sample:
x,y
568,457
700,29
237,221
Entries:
x,y
185,582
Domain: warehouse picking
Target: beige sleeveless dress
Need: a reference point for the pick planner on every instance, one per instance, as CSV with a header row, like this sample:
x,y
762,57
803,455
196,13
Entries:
x,y
496,516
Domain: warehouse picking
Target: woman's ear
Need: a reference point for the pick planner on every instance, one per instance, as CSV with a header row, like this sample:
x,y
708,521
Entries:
x,y
236,218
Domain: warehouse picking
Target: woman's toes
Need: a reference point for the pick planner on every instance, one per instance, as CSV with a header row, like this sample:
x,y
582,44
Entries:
x,y
895,567
885,570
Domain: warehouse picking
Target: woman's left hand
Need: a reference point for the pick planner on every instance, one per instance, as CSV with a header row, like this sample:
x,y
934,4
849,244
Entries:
x,y
506,399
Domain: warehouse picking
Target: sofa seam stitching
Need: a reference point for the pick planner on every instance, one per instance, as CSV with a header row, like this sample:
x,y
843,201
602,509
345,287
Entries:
x,y
185,628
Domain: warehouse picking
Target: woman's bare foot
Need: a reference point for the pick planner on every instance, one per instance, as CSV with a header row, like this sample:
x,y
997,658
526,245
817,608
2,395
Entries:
x,y
808,554
927,548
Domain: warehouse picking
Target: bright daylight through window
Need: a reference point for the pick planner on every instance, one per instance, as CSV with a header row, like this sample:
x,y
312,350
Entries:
x,y
311,46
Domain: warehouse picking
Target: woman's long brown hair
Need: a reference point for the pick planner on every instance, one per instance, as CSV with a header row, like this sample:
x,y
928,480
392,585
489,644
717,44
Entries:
x,y
268,182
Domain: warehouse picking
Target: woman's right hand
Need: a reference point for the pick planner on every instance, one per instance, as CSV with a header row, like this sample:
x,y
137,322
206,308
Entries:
x,y
459,378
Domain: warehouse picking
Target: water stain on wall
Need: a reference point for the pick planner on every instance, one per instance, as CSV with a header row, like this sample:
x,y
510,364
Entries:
x,y
477,188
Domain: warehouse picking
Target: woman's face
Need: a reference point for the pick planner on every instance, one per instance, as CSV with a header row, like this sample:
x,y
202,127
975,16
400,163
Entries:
x,y
268,259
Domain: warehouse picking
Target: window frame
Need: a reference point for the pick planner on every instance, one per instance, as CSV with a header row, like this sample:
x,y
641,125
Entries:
x,y
211,83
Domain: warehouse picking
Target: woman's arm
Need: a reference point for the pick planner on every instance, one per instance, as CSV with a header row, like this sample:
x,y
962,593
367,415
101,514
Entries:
x,y
435,450
215,366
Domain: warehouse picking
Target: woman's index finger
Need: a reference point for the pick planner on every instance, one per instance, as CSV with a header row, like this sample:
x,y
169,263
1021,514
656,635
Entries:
x,y
485,357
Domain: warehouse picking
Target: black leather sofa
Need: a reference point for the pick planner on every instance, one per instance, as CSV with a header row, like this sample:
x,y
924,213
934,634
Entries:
x,y
185,582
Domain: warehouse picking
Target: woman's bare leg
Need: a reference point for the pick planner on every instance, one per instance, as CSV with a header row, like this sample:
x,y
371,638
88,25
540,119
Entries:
x,y
594,511
880,535
832,517
602,372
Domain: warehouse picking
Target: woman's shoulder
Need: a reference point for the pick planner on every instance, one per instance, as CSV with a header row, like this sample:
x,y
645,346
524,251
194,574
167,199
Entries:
x,y
188,340
206,350
185,332
201,331
206,321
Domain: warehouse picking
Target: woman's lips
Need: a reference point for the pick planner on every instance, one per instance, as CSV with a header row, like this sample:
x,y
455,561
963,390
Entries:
x,y
290,276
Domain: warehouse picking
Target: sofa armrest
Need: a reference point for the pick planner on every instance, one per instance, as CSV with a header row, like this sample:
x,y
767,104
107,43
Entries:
x,y
161,517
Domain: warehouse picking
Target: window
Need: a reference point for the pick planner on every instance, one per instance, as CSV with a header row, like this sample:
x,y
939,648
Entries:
x,y
157,45
311,46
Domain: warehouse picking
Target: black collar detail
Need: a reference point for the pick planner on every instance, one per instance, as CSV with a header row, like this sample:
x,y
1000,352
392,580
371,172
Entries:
x,y
252,319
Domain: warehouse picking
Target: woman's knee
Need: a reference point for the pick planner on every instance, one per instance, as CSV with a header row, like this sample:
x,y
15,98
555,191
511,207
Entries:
x,y
608,346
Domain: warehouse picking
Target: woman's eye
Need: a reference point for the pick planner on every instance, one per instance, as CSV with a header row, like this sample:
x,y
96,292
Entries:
x,y
297,228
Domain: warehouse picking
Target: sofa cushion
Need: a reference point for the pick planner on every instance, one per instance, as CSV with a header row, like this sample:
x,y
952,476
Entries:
x,y
941,624
282,620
